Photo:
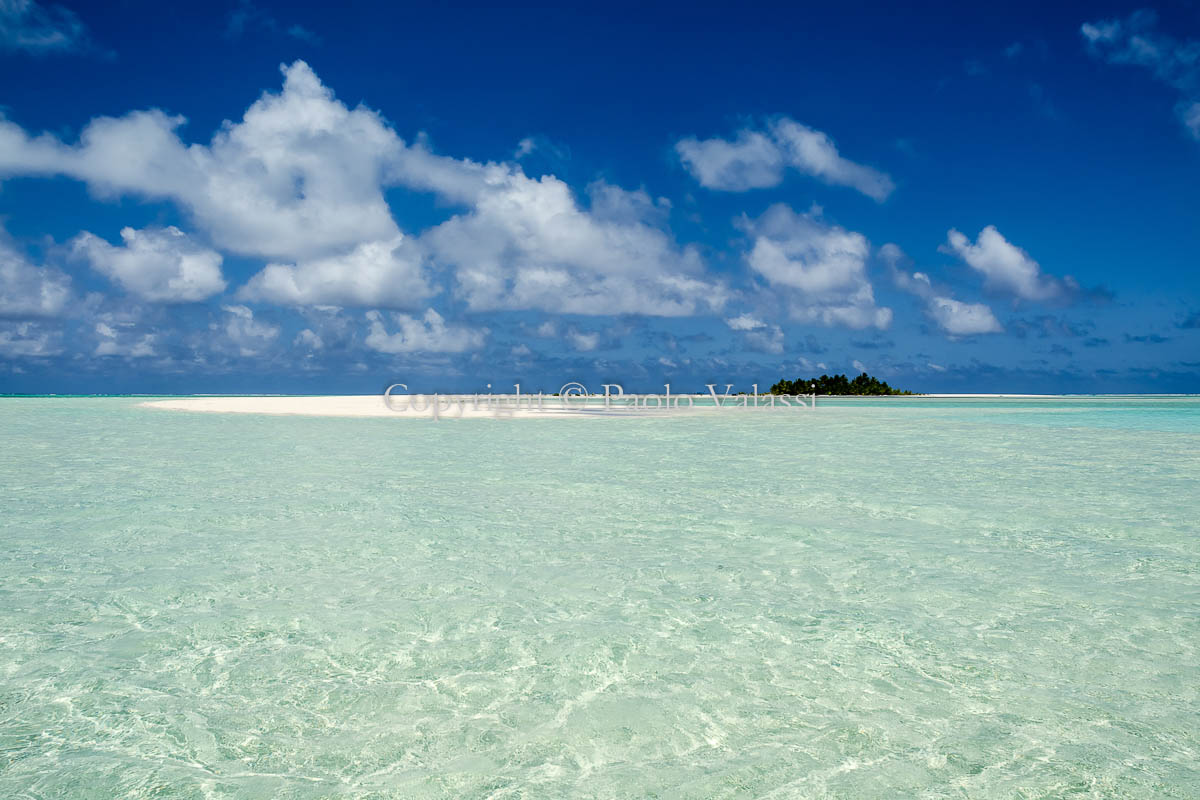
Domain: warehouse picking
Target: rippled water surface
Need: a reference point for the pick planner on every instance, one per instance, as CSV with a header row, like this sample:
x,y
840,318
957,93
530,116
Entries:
x,y
878,599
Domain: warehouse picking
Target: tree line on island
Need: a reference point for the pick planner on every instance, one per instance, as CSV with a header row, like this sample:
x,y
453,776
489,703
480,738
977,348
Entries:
x,y
864,384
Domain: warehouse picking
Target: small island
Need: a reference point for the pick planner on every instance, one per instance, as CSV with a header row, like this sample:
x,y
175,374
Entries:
x,y
864,384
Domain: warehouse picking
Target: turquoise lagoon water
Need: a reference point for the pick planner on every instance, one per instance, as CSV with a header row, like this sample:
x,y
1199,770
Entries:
x,y
878,599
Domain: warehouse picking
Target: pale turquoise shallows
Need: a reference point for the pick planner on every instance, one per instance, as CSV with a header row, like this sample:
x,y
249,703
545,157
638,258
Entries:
x,y
883,599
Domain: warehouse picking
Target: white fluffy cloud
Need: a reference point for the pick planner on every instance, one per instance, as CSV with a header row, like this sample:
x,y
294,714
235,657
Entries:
x,y
526,243
757,159
745,322
299,177
583,342
821,267
954,317
963,319
248,336
757,334
802,252
300,181
27,290
428,335
1004,266
814,153
308,339
162,265
388,273
1135,41
751,161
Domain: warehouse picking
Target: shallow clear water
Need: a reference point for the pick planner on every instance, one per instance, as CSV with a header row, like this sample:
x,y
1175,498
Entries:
x,y
877,599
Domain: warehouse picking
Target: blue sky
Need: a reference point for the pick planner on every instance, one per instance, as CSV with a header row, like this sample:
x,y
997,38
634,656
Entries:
x,y
250,197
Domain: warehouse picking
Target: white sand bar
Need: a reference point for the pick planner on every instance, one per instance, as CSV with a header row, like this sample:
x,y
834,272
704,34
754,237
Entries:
x,y
480,406
408,406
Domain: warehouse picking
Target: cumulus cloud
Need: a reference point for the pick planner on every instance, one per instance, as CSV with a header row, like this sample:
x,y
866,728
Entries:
x,y
300,181
388,273
113,341
745,322
758,159
802,252
299,177
751,161
28,290
33,27
29,340
526,243
821,267
814,153
328,336
1135,41
248,336
614,205
162,265
1004,266
757,334
963,319
954,317
308,339
428,335
583,341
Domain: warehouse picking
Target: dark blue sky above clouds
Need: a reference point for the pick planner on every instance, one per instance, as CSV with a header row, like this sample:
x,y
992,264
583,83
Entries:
x,y
258,197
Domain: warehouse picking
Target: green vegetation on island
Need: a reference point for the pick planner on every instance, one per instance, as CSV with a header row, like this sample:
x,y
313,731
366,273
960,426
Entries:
x,y
864,384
